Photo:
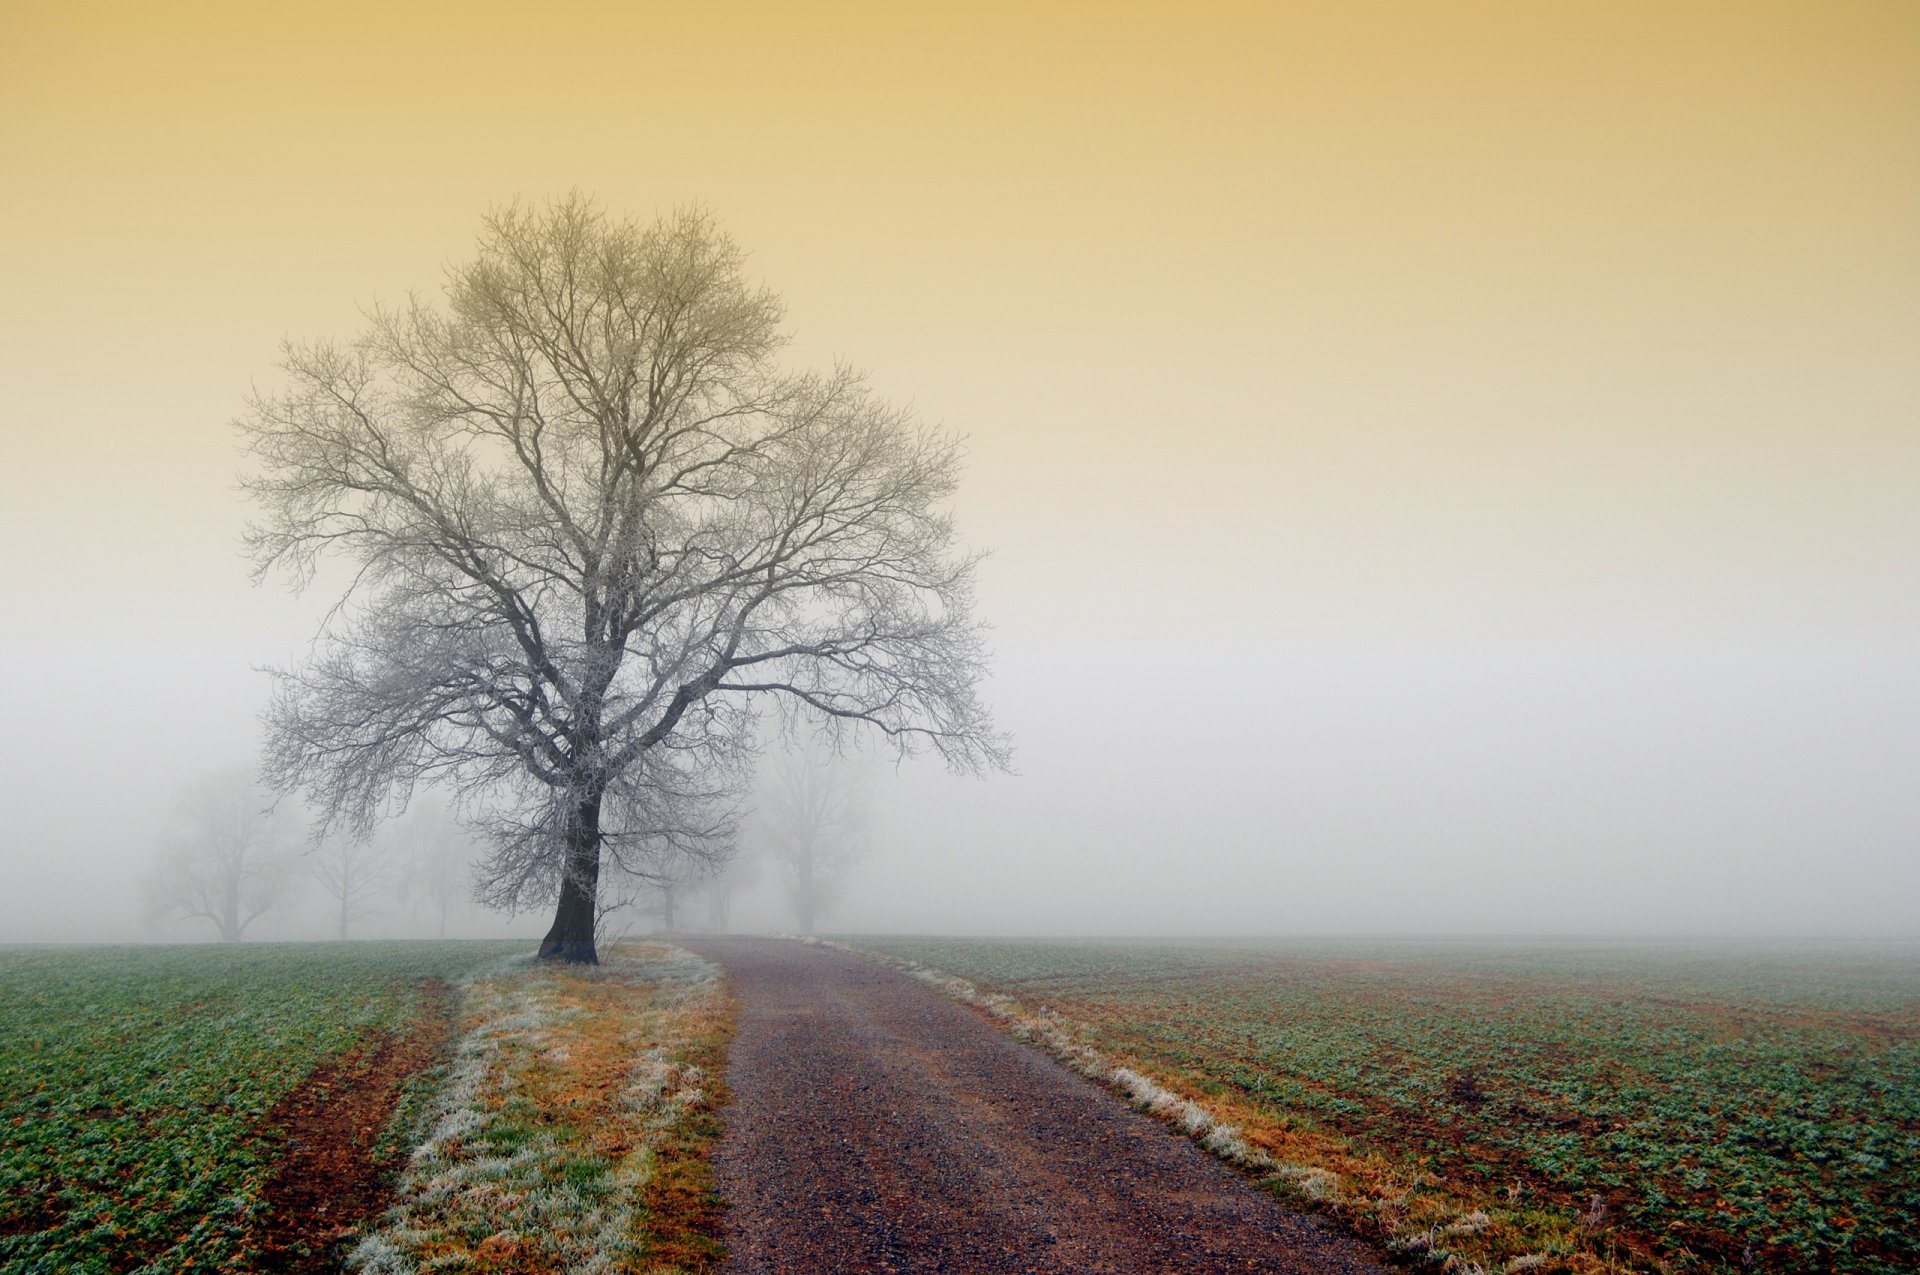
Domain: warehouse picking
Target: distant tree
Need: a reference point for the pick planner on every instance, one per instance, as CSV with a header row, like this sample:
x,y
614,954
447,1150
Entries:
x,y
223,856
724,881
672,882
353,872
666,887
434,854
668,893
589,523
814,820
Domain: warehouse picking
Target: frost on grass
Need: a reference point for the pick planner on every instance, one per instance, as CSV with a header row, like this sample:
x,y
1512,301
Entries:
x,y
544,1136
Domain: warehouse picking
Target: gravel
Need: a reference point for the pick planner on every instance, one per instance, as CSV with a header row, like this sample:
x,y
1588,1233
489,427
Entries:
x,y
877,1126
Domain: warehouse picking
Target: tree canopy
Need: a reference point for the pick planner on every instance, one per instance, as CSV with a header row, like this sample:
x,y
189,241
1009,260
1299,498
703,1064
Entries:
x,y
590,525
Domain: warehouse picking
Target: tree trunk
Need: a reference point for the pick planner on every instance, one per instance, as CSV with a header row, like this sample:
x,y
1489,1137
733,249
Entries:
x,y
571,938
666,907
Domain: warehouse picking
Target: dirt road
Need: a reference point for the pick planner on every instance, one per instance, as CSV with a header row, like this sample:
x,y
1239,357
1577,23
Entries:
x,y
877,1126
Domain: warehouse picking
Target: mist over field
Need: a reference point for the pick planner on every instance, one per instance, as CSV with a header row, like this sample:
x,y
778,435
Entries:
x,y
1447,476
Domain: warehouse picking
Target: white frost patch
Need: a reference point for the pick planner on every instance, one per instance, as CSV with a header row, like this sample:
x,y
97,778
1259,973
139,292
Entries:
x,y
1429,1241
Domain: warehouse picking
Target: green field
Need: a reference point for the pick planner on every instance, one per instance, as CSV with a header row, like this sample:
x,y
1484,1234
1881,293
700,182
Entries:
x,y
1728,1107
135,1083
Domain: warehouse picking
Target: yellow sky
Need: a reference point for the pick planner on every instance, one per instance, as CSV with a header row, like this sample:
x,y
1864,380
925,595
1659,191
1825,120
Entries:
x,y
1360,219
1271,323
1340,302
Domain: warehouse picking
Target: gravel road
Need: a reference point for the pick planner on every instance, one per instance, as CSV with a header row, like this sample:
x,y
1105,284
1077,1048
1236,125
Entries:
x,y
877,1126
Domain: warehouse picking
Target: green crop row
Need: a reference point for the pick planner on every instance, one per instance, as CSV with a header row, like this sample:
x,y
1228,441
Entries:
x,y
135,1083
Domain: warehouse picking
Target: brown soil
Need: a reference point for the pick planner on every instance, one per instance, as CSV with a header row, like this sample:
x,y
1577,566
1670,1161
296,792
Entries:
x,y
331,1178
878,1127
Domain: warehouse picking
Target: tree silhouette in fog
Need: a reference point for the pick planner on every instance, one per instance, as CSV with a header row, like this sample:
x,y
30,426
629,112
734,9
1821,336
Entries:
x,y
589,527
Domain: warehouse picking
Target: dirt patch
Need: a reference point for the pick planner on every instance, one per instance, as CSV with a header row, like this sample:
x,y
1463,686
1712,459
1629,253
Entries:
x,y
332,1177
39,1215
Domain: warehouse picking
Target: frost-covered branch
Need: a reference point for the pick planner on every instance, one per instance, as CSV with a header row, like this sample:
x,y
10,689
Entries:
x,y
590,523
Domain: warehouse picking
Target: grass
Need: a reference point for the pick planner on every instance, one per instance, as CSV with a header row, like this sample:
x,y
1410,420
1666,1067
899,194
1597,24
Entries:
x,y
567,1132
135,1082
1597,1108
572,1131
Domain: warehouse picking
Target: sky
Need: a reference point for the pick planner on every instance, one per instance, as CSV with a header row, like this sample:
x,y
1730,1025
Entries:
x,y
1448,468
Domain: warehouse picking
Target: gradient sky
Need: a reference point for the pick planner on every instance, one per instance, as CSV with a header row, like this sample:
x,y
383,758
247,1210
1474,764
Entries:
x,y
1450,467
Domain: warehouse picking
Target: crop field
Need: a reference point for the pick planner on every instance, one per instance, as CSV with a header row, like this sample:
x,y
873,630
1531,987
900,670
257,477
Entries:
x,y
221,1108
1605,1107
140,1086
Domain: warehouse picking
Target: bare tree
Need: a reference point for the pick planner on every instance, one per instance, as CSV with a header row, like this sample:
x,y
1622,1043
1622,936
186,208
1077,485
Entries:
x,y
222,858
723,881
590,525
353,872
815,825
668,891
658,891
434,854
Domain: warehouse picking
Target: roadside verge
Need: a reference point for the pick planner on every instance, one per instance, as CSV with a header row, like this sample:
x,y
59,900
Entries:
x,y
1423,1220
570,1130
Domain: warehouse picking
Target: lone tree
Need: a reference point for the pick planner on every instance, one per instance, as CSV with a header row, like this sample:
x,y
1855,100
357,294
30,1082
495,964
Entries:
x,y
588,524
221,858
815,818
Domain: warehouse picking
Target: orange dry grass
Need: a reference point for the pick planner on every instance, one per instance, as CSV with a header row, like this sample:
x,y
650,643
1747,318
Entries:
x,y
1422,1218
577,1088
1389,1201
683,1206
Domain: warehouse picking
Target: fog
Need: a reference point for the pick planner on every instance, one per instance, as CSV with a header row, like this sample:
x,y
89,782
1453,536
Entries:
x,y
1469,485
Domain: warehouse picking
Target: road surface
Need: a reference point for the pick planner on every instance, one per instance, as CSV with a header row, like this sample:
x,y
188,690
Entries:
x,y
877,1126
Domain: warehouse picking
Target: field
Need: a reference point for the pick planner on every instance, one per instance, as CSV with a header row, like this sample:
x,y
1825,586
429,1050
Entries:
x,y
175,1108
1578,1108
1598,1107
